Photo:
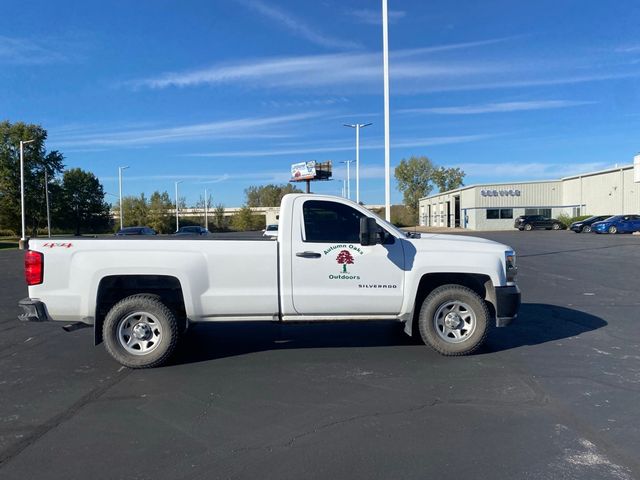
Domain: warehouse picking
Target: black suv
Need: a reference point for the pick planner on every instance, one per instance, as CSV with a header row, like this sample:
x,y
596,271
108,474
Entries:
x,y
530,222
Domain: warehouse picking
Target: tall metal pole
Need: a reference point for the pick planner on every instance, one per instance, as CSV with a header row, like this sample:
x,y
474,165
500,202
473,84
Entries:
x,y
357,163
46,196
357,127
387,163
206,210
348,162
23,238
120,169
177,214
22,144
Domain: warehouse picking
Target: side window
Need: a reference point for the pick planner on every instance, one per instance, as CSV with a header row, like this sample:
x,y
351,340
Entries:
x,y
506,213
330,222
493,213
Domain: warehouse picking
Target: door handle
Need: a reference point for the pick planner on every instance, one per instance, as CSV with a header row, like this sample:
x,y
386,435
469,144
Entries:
x,y
308,255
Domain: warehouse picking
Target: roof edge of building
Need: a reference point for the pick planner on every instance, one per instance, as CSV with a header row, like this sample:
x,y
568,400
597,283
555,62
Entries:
x,y
561,179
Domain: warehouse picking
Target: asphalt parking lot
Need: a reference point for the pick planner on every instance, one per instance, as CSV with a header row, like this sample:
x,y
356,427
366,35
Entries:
x,y
554,396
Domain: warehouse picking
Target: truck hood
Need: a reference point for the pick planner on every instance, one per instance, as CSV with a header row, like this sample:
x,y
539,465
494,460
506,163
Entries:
x,y
430,242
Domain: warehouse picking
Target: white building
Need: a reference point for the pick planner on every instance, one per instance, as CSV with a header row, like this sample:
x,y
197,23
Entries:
x,y
495,206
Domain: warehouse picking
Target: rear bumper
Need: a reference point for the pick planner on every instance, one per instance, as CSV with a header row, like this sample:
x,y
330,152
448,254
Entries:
x,y
33,311
507,304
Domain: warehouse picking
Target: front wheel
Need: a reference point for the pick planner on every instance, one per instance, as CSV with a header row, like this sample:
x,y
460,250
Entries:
x,y
586,229
528,227
613,229
454,320
140,332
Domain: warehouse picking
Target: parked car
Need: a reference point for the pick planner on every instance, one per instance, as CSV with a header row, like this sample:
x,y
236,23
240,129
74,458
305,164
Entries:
x,y
192,230
127,231
618,224
530,222
270,231
584,226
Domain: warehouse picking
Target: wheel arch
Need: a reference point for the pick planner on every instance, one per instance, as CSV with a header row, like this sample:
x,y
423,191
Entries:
x,y
478,282
113,288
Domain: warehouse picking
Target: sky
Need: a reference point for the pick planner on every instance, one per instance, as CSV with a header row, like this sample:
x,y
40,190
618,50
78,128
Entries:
x,y
226,94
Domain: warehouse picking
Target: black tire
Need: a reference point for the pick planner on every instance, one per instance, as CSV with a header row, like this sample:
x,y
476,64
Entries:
x,y
162,325
556,226
435,304
528,227
586,229
613,229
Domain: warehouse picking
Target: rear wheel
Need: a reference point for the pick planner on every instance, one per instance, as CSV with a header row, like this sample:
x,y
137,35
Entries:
x,y
528,227
454,320
586,229
613,229
140,332
555,226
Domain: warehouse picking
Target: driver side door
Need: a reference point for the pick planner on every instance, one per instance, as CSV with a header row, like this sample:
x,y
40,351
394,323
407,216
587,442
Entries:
x,y
332,274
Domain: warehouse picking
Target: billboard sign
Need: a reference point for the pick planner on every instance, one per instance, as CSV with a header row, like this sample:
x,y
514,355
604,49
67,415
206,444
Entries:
x,y
303,171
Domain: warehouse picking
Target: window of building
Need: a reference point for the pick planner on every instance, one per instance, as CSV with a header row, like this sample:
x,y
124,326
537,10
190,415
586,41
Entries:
x,y
576,211
545,212
493,213
506,213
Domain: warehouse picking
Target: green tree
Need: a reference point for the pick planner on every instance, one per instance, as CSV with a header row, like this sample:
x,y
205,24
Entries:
x,y
36,160
81,205
200,204
160,212
414,177
219,218
448,178
135,210
268,195
244,219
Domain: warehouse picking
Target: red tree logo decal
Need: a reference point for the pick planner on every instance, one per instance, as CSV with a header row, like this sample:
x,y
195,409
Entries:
x,y
344,258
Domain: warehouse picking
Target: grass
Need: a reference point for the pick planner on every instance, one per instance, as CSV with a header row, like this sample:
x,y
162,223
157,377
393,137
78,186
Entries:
x,y
7,245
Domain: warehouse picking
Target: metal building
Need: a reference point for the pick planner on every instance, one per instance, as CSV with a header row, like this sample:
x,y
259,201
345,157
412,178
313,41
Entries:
x,y
495,206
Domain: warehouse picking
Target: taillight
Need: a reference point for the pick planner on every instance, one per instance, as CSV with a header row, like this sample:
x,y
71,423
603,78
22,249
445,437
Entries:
x,y
33,267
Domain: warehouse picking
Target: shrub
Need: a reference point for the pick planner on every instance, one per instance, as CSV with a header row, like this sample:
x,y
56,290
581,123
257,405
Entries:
x,y
5,232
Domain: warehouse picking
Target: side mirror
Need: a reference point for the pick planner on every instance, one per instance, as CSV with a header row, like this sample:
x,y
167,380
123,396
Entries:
x,y
368,231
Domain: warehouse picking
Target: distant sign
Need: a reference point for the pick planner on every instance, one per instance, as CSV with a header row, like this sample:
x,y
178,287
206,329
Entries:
x,y
303,170
500,193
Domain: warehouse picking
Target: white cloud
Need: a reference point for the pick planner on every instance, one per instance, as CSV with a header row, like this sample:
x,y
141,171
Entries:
x,y
412,71
497,107
21,51
514,171
346,147
252,127
297,26
362,70
374,17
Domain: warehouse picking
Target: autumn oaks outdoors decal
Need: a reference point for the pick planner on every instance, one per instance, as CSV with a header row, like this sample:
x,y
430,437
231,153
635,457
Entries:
x,y
345,255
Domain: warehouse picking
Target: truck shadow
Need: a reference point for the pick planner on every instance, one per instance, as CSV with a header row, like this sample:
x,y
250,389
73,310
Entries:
x,y
537,324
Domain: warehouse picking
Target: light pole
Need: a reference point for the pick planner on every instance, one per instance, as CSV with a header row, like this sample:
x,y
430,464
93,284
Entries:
x,y
348,162
22,144
385,61
357,126
120,169
206,210
177,217
46,196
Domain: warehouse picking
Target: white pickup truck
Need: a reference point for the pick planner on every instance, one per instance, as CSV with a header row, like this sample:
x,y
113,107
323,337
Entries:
x,y
332,260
